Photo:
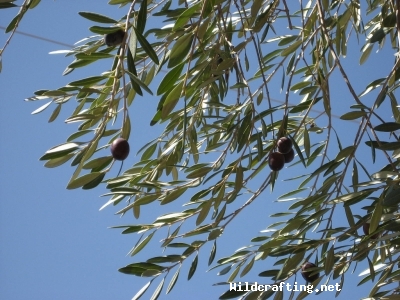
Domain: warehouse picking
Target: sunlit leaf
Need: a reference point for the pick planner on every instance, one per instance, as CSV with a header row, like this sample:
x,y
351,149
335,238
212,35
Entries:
x,y
83,180
97,17
142,244
180,49
140,293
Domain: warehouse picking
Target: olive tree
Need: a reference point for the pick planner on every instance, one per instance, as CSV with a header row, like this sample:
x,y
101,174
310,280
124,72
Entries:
x,y
215,68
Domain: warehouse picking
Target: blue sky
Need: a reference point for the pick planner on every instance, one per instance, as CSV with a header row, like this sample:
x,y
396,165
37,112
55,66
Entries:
x,y
55,242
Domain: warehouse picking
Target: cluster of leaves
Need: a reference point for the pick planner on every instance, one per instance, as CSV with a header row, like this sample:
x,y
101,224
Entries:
x,y
221,127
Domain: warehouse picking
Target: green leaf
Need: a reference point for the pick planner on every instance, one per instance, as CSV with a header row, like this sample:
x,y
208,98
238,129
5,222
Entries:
x,y
42,108
59,151
216,232
293,47
13,23
205,209
158,290
89,81
142,244
142,17
238,85
174,279
126,128
232,294
244,131
387,127
381,97
97,162
104,30
239,178
307,145
345,153
354,177
33,3
329,261
199,172
392,197
142,291
353,197
97,17
171,100
366,52
173,195
376,218
289,67
264,17
248,267
186,15
78,134
55,113
80,118
269,273
55,162
95,182
132,69
278,295
7,5
373,85
193,267
170,79
378,35
148,153
212,253
287,40
300,85
133,45
383,145
353,115
146,47
85,179
180,49
139,82
232,277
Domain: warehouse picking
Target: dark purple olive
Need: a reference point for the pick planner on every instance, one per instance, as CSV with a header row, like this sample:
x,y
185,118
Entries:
x,y
289,156
307,274
114,38
120,149
284,145
276,161
366,231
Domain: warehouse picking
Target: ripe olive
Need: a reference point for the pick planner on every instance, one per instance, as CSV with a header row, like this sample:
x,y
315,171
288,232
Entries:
x,y
284,145
114,38
276,161
307,274
289,156
120,149
366,231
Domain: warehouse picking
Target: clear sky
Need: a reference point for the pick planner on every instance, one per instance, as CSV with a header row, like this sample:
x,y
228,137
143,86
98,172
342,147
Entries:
x,y
55,244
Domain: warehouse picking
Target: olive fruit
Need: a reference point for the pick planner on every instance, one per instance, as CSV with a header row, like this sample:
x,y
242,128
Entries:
x,y
284,145
219,61
366,231
276,161
289,156
307,274
114,38
120,149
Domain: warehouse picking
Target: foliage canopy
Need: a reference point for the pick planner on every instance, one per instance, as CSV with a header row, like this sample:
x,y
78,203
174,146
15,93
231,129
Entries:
x,y
216,64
